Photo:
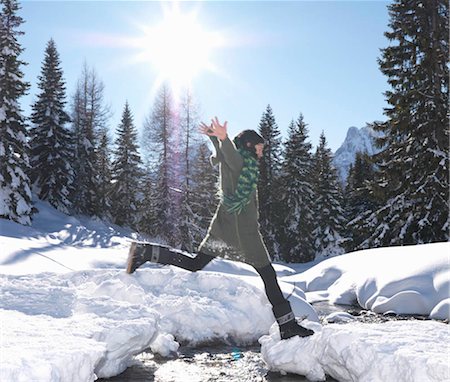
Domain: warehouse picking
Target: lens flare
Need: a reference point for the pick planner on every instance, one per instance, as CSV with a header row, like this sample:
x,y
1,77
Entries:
x,y
178,48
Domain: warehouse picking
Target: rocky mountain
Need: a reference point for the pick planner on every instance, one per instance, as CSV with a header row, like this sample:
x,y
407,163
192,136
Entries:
x,y
357,140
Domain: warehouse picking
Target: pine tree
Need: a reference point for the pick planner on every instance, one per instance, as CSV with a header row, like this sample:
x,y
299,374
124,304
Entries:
x,y
85,184
158,140
15,192
188,118
104,175
148,221
268,187
51,142
329,213
204,196
89,115
127,173
360,201
414,167
297,197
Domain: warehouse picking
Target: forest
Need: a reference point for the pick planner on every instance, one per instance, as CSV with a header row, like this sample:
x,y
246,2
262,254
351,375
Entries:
x,y
161,182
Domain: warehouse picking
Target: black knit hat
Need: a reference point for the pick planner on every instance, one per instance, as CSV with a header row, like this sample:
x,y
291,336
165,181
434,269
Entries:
x,y
248,136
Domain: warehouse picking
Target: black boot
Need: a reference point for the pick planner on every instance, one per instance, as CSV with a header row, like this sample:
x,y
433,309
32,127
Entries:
x,y
140,253
287,323
136,257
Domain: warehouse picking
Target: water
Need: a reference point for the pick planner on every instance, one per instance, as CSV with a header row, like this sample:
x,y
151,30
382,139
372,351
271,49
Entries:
x,y
206,364
226,363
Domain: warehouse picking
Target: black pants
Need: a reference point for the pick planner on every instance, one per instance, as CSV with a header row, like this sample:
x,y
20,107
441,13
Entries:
x,y
197,263
193,264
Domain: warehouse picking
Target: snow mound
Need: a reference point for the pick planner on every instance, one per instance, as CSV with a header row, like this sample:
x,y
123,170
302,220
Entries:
x,y
339,317
402,280
364,352
51,321
78,348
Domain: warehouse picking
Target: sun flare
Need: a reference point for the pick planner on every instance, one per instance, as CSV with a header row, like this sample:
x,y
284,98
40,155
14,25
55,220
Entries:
x,y
178,48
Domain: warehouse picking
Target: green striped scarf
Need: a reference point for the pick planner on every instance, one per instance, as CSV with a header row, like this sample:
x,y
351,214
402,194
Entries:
x,y
247,183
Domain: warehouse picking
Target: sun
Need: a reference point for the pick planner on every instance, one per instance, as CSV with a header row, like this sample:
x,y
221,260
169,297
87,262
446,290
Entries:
x,y
178,48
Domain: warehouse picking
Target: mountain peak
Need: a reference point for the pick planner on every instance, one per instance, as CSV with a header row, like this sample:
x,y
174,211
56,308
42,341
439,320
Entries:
x,y
352,131
356,140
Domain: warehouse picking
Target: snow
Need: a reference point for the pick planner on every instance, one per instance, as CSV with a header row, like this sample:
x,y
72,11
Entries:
x,y
22,206
69,312
339,317
402,280
41,347
392,351
7,51
5,200
2,113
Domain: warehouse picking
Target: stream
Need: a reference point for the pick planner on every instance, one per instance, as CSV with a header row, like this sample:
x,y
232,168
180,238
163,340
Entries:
x,y
227,363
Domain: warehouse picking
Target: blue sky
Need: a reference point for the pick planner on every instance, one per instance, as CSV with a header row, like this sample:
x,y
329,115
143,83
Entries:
x,y
318,58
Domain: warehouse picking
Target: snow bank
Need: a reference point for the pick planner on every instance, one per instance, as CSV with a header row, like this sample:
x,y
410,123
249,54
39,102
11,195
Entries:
x,y
393,351
79,348
54,331
194,307
401,280
82,325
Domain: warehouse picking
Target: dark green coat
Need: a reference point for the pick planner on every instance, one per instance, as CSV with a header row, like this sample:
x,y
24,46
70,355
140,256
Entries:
x,y
234,236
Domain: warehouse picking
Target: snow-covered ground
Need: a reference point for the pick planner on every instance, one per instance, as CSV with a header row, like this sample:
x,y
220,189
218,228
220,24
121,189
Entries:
x,y
69,312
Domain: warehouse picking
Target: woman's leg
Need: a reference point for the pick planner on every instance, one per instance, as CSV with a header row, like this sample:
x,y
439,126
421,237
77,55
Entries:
x,y
167,256
178,259
281,307
273,291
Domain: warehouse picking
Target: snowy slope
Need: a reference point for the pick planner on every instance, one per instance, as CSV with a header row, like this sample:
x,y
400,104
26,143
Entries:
x,y
69,312
357,140
57,242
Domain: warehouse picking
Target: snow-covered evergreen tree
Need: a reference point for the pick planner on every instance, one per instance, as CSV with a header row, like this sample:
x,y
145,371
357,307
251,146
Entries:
x,y
158,140
360,200
85,184
328,211
51,141
89,115
15,191
188,120
414,167
204,196
269,181
148,220
297,197
127,173
104,177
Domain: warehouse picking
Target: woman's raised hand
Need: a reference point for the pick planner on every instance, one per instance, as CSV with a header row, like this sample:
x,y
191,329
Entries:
x,y
205,129
215,129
